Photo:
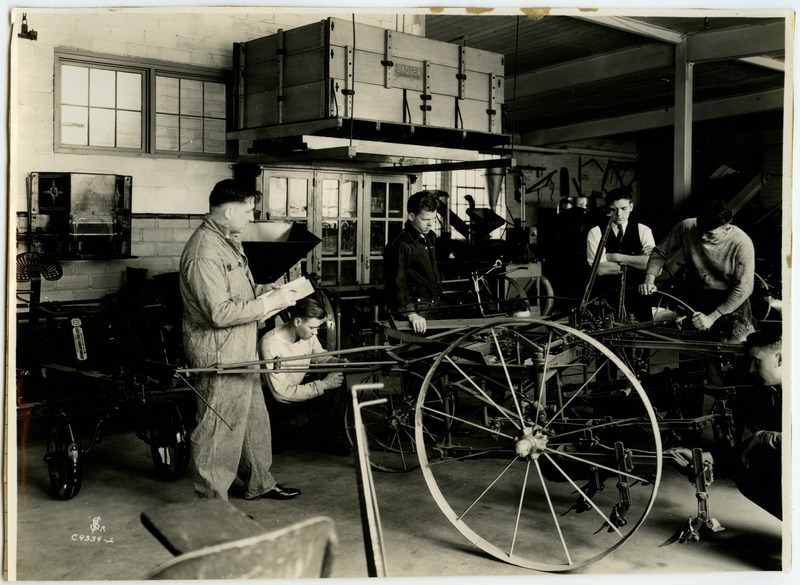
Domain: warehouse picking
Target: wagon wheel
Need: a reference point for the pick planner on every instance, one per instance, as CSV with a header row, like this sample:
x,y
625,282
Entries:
x,y
389,426
169,442
64,459
532,466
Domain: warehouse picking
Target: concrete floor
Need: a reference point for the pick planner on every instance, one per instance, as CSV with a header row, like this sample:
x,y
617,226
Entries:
x,y
119,484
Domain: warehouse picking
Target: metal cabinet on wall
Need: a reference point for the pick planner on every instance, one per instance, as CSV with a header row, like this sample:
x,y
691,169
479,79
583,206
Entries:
x,y
354,213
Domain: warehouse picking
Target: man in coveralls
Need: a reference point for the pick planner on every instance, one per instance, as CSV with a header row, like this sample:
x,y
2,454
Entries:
x,y
222,308
413,283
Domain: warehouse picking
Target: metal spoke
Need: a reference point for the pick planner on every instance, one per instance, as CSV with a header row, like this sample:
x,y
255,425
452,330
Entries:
x,y
613,423
486,396
552,511
484,492
466,422
595,464
469,456
577,393
508,376
539,399
460,385
585,497
519,508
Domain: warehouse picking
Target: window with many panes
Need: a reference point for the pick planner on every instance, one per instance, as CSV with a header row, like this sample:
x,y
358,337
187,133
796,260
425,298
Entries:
x,y
463,186
106,104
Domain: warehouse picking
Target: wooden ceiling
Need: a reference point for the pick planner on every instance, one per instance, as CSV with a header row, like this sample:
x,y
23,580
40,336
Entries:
x,y
574,78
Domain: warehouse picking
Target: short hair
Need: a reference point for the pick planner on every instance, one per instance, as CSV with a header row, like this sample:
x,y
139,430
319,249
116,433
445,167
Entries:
x,y
232,191
715,215
764,339
733,328
619,193
424,201
307,308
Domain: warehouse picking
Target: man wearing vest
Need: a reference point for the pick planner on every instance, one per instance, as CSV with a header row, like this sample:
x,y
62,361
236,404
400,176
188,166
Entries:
x,y
629,244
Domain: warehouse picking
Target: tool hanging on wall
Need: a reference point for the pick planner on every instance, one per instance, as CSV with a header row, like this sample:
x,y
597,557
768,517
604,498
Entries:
x,y
547,180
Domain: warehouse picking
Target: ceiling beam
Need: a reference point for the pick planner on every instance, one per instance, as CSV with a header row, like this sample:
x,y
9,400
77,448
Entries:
x,y
703,111
767,62
631,25
733,43
585,71
497,163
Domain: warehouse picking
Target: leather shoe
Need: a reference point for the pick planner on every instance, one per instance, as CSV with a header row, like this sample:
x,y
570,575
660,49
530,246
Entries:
x,y
279,493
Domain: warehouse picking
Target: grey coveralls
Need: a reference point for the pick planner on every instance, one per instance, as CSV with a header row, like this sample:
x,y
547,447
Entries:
x,y
220,318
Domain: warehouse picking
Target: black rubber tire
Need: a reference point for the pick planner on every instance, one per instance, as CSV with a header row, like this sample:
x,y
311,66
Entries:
x,y
64,459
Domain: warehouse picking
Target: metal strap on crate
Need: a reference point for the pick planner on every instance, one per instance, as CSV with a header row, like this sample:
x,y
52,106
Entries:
x,y
387,62
240,49
281,96
462,73
349,83
494,86
426,95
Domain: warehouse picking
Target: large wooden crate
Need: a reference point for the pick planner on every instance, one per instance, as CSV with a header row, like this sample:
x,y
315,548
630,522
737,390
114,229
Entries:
x,y
331,69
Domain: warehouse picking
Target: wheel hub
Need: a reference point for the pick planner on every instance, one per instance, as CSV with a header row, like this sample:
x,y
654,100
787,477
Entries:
x,y
530,443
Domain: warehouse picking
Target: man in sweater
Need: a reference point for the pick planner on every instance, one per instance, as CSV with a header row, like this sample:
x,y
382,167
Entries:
x,y
628,245
720,260
289,381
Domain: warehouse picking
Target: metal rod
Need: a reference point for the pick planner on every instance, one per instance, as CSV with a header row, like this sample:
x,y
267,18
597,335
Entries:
x,y
206,402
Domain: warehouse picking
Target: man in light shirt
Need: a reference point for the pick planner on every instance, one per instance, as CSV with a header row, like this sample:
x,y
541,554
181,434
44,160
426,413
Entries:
x,y
629,244
292,390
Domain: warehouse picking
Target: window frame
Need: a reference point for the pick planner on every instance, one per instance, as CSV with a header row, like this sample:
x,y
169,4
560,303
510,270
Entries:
x,y
149,69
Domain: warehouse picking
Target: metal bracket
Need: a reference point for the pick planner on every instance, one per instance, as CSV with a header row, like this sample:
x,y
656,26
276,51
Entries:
x,y
281,97
387,62
462,74
426,95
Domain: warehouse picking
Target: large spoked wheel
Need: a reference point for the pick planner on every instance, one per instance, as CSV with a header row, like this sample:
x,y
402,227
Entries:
x,y
549,455
64,460
389,426
169,442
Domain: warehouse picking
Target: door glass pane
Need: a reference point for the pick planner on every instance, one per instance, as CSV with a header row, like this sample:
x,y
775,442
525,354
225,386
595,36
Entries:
x,y
75,86
330,238
377,200
396,200
191,134
376,243
330,198
167,133
129,91
167,95
298,198
376,271
349,199
348,270
129,129
277,197
74,125
395,227
330,274
191,97
349,238
101,127
102,88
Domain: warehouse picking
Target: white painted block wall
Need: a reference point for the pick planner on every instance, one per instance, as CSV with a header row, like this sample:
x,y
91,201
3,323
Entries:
x,y
199,36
